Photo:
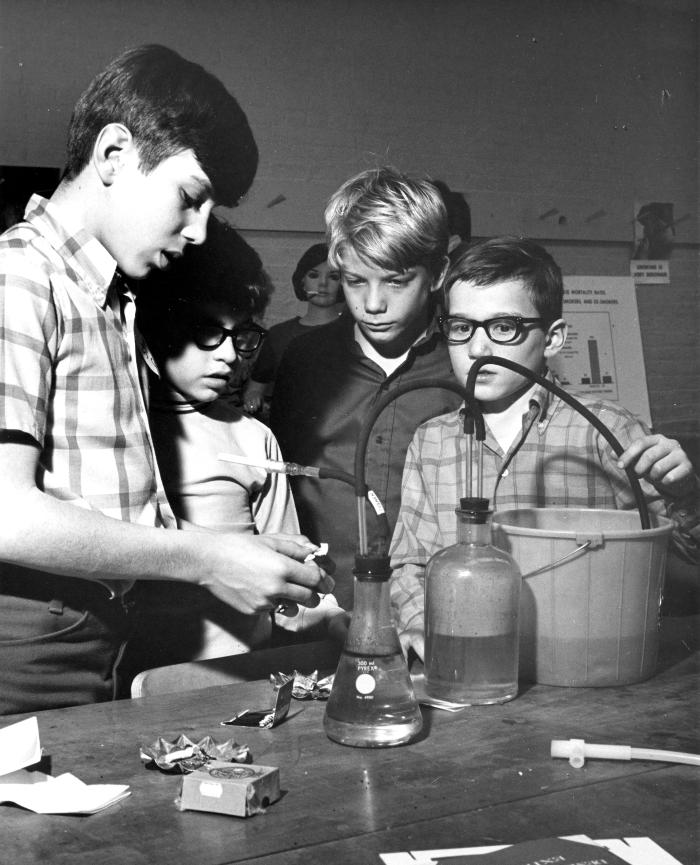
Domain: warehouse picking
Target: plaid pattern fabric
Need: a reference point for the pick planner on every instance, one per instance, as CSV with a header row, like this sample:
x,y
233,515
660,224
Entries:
x,y
559,461
68,375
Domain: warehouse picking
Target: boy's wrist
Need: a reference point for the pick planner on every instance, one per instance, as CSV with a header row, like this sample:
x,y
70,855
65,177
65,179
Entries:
x,y
687,519
684,510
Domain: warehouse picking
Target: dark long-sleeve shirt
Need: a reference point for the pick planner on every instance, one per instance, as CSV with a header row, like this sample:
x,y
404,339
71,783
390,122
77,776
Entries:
x,y
325,388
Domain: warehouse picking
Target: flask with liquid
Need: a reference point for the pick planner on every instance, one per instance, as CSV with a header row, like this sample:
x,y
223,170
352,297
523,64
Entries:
x,y
372,703
472,600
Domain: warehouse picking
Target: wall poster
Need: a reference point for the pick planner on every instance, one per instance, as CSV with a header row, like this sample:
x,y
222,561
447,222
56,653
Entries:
x,y
603,354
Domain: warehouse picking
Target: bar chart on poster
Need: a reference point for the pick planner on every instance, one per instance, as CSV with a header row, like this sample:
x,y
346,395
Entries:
x,y
603,356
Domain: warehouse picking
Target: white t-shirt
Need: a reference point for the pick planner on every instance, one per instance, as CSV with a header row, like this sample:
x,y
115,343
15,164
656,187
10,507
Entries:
x,y
224,496
507,425
388,364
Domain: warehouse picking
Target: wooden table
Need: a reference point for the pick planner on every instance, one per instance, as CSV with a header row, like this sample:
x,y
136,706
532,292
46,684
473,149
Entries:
x,y
482,776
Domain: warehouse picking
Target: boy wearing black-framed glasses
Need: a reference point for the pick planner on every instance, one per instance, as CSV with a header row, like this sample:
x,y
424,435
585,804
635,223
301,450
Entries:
x,y
197,320
503,297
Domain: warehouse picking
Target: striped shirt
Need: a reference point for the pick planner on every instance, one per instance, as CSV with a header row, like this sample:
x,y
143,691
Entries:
x,y
68,370
558,461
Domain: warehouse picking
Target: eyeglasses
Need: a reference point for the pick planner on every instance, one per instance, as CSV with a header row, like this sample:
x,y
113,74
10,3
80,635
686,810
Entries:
x,y
246,339
502,330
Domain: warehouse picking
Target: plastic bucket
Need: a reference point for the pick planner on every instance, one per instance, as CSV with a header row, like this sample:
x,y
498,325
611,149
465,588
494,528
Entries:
x,y
592,589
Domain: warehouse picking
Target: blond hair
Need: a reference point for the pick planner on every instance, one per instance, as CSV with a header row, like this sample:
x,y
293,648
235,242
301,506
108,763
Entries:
x,y
389,221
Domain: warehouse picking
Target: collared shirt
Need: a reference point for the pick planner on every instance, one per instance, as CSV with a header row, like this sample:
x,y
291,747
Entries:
x,y
388,364
558,461
68,371
325,389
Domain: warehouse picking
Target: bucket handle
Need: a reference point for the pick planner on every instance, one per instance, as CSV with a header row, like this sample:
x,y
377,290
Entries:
x,y
572,555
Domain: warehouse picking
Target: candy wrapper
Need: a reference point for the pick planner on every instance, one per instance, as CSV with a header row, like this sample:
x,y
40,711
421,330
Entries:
x,y
183,755
266,718
305,687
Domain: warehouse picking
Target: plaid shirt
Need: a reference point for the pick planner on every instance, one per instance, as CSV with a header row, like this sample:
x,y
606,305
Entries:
x,y
68,374
559,461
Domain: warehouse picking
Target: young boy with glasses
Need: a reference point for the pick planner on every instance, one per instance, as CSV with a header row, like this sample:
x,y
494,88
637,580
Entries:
x,y
504,298
197,321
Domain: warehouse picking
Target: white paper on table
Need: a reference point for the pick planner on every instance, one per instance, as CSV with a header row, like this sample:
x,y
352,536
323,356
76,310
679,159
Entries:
x,y
44,794
19,746
636,851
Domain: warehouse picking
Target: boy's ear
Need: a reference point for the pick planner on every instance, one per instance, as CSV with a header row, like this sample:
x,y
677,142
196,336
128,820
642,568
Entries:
x,y
114,142
555,337
438,281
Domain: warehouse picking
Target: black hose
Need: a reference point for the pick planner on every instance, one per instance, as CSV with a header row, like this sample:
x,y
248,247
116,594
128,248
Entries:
x,y
338,475
387,399
567,398
474,424
347,478
366,431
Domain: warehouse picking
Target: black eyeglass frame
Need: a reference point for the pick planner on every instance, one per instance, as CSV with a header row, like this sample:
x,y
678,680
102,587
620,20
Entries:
x,y
519,321
225,332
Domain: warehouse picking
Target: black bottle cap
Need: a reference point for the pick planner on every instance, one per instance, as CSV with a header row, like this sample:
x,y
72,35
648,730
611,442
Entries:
x,y
473,504
475,510
374,567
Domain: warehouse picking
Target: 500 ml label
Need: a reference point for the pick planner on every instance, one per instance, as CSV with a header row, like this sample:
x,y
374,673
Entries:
x,y
365,683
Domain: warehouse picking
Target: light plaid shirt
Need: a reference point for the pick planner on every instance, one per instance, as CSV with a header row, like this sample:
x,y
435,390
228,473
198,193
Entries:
x,y
558,461
68,370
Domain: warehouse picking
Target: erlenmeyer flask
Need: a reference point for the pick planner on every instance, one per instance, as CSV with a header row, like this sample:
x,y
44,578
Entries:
x,y
372,703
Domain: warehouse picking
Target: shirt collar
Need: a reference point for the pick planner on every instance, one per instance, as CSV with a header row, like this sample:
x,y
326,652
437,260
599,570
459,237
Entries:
x,y
83,253
351,329
541,398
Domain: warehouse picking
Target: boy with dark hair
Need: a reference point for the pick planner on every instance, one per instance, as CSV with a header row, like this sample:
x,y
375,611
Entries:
x,y
155,142
168,105
197,320
387,236
504,298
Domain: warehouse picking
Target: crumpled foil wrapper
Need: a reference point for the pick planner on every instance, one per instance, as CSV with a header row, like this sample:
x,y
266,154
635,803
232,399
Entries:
x,y
306,687
184,756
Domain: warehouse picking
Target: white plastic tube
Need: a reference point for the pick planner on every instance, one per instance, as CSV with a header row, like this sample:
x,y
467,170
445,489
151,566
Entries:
x,y
576,750
271,465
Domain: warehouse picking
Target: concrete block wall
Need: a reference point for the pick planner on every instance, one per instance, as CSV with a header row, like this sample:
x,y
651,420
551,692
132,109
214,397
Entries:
x,y
527,106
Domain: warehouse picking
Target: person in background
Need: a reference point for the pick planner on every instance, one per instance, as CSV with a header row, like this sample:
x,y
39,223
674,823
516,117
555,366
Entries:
x,y
317,284
503,297
387,236
197,320
459,216
154,142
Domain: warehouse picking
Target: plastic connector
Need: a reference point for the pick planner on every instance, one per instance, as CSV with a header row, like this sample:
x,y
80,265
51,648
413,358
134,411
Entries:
x,y
576,751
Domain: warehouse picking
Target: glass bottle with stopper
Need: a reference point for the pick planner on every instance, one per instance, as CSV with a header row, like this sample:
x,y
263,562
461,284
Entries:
x,y
472,600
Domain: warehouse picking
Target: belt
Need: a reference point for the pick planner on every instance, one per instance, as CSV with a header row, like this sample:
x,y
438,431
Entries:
x,y
57,591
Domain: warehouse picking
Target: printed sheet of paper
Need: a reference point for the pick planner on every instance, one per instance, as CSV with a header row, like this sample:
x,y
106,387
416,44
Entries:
x,y
634,851
20,747
603,354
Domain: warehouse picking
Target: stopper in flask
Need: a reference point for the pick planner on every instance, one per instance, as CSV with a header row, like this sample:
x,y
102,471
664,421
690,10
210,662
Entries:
x,y
376,568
